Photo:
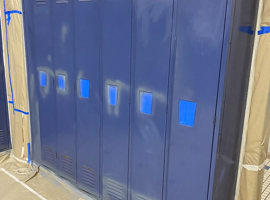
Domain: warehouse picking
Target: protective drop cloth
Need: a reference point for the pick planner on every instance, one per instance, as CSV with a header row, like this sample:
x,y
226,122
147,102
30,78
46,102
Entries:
x,y
16,76
258,132
32,182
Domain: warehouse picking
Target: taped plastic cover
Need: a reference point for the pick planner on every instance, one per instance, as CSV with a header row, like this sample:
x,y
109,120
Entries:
x,y
16,76
258,131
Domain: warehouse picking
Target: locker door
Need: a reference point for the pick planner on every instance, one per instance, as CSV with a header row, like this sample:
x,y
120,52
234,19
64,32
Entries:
x,y
199,32
116,44
44,74
87,45
151,46
63,41
4,129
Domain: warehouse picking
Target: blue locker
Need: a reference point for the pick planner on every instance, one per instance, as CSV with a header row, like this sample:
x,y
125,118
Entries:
x,y
63,57
127,93
4,128
152,23
87,70
116,44
198,49
44,70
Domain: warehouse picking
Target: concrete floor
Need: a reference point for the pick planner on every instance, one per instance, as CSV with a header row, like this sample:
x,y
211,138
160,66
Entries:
x,y
23,181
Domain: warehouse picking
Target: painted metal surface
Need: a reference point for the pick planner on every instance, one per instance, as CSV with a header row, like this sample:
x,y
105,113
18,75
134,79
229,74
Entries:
x,y
63,60
115,63
44,75
152,21
87,54
4,123
244,14
196,78
128,93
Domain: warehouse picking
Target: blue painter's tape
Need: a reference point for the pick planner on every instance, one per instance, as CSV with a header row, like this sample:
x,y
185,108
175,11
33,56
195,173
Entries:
x,y
18,110
7,20
85,87
10,82
146,99
62,82
264,30
21,111
8,15
246,29
43,78
112,94
29,153
187,110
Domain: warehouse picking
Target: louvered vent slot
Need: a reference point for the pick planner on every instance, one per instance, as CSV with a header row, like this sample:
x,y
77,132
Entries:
x,y
3,137
41,2
49,154
66,163
141,197
88,177
84,0
61,1
113,190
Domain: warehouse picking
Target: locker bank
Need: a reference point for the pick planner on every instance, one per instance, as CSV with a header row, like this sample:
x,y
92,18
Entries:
x,y
130,98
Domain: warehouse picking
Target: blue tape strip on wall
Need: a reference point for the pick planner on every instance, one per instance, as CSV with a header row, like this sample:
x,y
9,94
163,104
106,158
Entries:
x,y
8,13
246,29
85,87
187,111
146,99
112,91
264,30
42,78
62,82
29,153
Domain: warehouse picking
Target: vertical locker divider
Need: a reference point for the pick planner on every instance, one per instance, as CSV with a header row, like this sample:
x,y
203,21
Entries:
x,y
131,97
54,82
101,116
75,92
101,104
169,99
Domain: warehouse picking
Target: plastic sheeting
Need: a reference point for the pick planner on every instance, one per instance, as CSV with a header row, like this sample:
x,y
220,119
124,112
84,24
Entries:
x,y
258,132
15,73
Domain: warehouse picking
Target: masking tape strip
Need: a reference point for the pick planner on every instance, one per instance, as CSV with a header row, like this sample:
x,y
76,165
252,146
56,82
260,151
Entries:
x,y
254,167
